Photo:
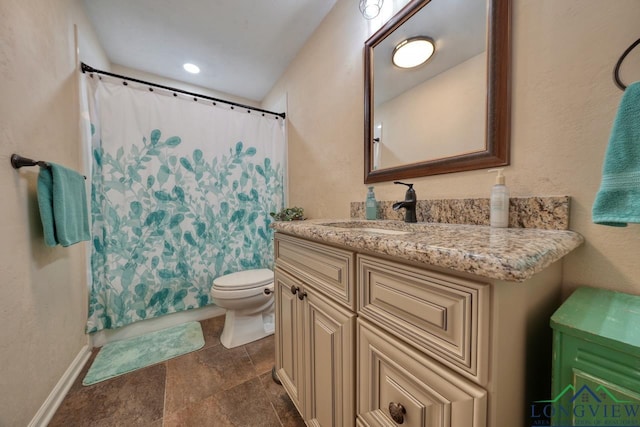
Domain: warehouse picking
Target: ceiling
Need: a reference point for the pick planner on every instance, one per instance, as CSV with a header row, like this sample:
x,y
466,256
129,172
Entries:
x,y
241,46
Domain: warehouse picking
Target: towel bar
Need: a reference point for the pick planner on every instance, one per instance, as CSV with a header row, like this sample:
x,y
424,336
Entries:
x,y
18,161
616,70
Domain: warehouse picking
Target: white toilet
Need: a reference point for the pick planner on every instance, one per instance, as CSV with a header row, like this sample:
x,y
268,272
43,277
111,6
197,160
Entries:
x,y
248,298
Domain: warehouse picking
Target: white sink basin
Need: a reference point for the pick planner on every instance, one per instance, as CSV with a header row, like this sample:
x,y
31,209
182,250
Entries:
x,y
366,227
381,230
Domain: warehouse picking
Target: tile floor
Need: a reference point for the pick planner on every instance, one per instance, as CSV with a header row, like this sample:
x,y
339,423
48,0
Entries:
x,y
213,386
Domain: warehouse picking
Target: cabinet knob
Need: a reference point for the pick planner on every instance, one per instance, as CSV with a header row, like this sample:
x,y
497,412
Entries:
x,y
397,412
301,295
294,289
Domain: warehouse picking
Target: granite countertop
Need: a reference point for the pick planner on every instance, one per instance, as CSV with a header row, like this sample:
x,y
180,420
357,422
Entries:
x,y
512,254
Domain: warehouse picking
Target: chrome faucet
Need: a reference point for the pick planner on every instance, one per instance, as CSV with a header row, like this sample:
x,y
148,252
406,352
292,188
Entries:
x,y
409,203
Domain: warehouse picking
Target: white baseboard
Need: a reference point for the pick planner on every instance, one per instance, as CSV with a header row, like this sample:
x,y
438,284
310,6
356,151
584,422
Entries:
x,y
50,406
142,327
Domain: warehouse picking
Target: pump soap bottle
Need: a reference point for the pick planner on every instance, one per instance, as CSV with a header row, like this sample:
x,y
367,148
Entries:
x,y
371,205
499,214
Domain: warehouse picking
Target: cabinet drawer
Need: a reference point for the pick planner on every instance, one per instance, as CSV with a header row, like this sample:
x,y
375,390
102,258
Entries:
x,y
424,392
326,268
444,316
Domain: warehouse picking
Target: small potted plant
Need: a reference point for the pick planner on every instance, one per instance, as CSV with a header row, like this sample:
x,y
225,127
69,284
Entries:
x,y
289,214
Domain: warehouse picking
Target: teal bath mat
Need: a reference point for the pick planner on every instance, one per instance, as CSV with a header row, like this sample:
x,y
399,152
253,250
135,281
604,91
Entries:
x,y
124,356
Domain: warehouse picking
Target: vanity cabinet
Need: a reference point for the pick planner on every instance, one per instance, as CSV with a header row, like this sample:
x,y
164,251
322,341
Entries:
x,y
315,334
382,341
442,318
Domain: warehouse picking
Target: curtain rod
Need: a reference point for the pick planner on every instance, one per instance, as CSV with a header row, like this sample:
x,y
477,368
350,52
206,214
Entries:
x,y
88,69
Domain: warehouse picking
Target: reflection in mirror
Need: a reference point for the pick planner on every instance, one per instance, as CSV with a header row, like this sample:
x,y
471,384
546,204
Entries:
x,y
450,113
450,89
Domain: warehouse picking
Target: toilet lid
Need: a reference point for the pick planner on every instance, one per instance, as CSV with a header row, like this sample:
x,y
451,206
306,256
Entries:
x,y
244,279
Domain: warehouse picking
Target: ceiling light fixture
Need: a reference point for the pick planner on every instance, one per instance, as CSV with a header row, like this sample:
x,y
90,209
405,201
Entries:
x,y
413,52
191,68
370,8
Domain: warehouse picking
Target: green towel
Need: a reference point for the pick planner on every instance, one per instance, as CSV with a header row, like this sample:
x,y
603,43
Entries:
x,y
62,200
618,200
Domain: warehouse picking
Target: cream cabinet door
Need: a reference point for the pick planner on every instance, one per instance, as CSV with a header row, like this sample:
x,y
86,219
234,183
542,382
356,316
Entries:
x,y
398,385
288,336
315,353
330,359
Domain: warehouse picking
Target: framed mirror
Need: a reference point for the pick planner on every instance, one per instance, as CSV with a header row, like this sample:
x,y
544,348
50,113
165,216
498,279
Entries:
x,y
449,114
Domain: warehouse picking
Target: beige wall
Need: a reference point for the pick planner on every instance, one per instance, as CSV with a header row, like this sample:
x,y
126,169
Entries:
x,y
564,102
42,290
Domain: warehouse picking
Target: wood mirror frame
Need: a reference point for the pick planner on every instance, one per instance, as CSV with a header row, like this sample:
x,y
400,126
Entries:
x,y
497,124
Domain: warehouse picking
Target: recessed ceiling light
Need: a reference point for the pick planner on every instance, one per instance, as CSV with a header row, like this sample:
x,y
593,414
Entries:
x,y
191,68
413,52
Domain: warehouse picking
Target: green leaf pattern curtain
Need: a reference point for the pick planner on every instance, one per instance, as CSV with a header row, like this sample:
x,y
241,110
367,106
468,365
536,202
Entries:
x,y
181,194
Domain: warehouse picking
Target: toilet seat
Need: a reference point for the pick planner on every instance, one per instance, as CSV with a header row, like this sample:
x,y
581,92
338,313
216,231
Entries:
x,y
248,279
222,294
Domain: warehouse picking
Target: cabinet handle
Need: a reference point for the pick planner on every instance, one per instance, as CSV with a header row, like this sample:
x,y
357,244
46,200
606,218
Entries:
x,y
301,295
397,412
294,289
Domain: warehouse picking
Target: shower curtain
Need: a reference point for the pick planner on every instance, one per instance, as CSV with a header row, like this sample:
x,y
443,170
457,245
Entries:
x,y
181,194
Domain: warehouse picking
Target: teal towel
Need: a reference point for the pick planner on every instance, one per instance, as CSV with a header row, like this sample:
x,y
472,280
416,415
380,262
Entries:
x,y
62,200
618,200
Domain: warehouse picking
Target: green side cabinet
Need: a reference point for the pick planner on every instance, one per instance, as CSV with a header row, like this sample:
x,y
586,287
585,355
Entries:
x,y
596,362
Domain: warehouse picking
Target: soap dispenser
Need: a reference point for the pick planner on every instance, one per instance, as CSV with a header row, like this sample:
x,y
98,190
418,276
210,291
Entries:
x,y
371,205
499,213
